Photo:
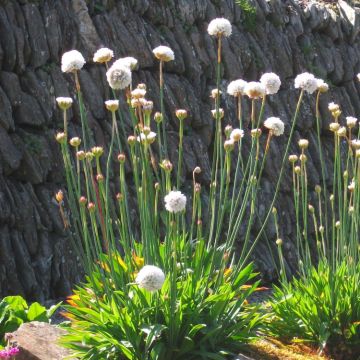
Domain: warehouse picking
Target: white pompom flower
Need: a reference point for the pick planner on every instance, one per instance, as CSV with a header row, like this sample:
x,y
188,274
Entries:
x,y
254,90
150,278
164,53
146,138
275,125
72,61
322,86
351,121
175,201
271,82
306,82
64,103
128,61
236,88
219,27
118,76
103,55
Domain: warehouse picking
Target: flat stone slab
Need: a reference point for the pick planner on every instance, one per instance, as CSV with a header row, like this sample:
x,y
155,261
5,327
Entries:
x,y
39,341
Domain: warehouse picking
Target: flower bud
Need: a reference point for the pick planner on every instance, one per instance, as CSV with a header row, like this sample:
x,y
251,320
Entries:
x,y
181,114
97,151
89,156
91,207
215,114
228,130
197,187
293,158
311,208
146,130
197,170
274,210
342,131
351,210
318,189
141,86
334,127
119,197
64,103
112,105
297,169
121,158
99,178
82,200
215,93
337,224
81,155
157,186
321,229
303,158
60,138
59,196
75,142
303,144
279,242
131,140
256,133
229,145
158,117
166,165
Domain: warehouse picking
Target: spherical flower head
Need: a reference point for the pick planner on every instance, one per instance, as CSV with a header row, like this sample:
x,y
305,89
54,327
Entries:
x,y
64,103
271,82
150,278
112,105
254,90
103,55
72,61
306,82
322,86
255,133
275,125
138,93
130,62
60,137
158,117
351,121
236,88
219,27
118,76
215,93
342,131
59,196
97,151
147,106
164,53
293,158
237,134
175,201
146,138
334,126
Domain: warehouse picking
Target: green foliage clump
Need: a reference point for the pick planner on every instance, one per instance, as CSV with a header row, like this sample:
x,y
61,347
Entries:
x,y
14,311
249,12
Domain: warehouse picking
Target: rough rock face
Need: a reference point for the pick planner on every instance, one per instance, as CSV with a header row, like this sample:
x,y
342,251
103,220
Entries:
x,y
35,257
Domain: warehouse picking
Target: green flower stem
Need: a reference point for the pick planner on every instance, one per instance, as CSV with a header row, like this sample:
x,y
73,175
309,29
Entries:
x,y
180,158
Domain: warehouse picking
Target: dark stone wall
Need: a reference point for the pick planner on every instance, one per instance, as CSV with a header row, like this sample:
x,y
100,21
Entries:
x,y
35,256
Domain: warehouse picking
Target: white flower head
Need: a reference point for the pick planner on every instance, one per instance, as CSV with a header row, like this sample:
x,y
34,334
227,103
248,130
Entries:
x,y
254,90
150,278
237,134
306,82
333,107
219,27
236,87
146,138
118,76
351,121
103,55
275,125
164,53
72,61
128,61
322,86
271,82
358,76
355,144
175,201
64,103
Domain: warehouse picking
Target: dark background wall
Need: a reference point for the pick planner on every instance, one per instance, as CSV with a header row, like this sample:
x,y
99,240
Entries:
x,y
35,256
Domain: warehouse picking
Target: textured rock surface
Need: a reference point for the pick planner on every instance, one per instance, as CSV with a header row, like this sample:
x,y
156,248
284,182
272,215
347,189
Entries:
x,y
39,341
35,257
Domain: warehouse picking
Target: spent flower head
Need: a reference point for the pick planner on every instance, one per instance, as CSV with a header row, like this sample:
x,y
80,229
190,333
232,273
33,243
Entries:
x,y
175,201
271,83
72,61
150,278
103,55
219,27
236,88
306,82
275,125
164,53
